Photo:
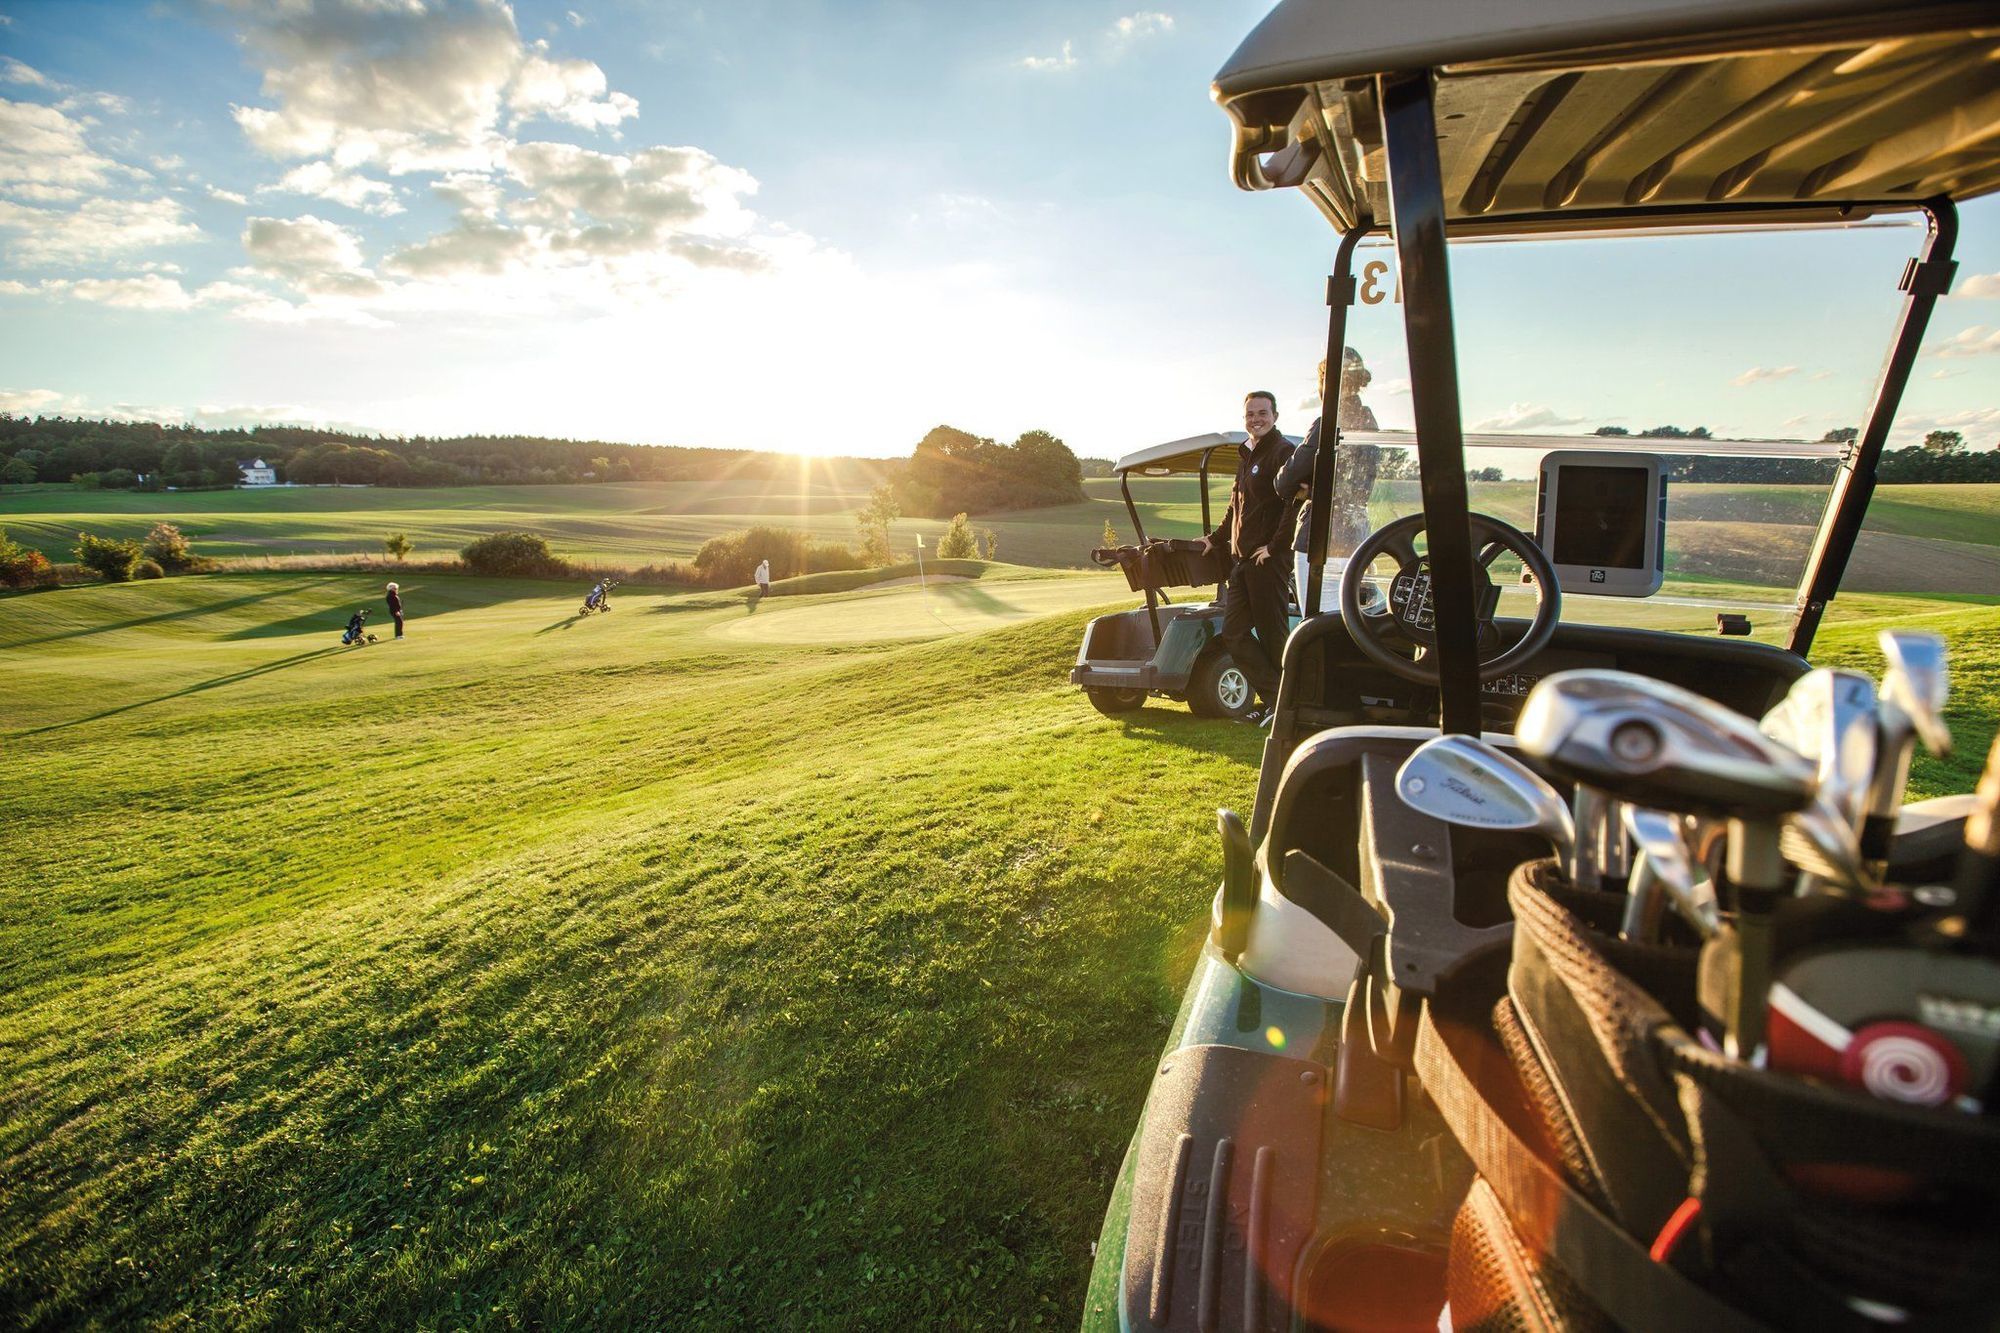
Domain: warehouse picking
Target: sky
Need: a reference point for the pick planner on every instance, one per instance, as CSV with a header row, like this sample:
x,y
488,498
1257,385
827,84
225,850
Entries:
x,y
816,227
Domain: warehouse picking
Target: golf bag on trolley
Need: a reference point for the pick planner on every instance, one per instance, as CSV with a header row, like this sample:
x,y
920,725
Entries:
x,y
356,631
1629,1176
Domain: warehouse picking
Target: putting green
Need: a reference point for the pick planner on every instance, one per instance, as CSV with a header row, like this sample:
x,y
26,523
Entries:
x,y
906,613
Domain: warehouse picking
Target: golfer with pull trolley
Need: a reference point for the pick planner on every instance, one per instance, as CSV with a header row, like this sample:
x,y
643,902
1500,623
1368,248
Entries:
x,y
1253,529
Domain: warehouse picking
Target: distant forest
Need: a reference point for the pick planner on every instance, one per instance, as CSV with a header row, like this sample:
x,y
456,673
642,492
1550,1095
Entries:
x,y
950,471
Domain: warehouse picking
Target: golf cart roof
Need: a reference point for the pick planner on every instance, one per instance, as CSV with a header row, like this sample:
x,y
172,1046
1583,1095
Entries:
x,y
1586,115
1217,450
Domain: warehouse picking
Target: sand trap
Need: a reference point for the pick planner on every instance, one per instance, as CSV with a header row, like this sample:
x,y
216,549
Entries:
x,y
913,581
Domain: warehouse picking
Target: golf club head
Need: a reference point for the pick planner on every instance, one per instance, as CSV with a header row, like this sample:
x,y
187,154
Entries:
x,y
1464,781
1829,716
1822,843
1918,683
1654,744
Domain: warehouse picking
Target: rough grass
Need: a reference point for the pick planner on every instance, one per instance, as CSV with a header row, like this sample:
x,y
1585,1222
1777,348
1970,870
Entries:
x,y
619,972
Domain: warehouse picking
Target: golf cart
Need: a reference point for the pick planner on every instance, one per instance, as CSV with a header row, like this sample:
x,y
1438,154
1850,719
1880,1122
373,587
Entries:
x,y
1173,651
1727,1059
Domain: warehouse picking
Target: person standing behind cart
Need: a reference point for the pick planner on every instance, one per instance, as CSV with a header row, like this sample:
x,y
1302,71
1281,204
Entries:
x,y
395,601
763,579
1254,623
1353,480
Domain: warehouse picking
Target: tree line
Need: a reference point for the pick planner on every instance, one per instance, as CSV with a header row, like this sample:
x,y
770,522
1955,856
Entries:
x,y
1942,457
118,454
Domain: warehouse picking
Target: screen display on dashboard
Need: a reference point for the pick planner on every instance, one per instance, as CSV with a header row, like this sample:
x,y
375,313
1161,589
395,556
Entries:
x,y
1601,517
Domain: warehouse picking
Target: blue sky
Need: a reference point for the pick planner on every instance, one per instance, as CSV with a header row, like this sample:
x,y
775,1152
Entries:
x,y
820,227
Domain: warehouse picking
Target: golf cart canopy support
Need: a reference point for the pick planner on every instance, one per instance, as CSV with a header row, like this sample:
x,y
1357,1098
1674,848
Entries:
x,y
1535,117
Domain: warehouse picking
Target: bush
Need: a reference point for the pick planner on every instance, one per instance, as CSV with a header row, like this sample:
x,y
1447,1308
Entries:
x,y
23,568
958,542
398,545
112,558
168,548
148,569
514,555
729,561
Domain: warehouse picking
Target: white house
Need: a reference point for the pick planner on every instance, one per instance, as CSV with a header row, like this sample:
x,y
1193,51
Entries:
x,y
258,473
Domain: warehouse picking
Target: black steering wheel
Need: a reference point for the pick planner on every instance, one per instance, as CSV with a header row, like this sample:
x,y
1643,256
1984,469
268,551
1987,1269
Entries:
x,y
1408,613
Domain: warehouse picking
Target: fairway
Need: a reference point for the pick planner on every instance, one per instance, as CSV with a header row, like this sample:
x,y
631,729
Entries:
x,y
916,612
689,966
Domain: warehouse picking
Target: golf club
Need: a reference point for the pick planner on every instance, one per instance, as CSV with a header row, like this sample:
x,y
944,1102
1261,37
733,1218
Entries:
x,y
1468,782
1663,863
1914,689
1657,744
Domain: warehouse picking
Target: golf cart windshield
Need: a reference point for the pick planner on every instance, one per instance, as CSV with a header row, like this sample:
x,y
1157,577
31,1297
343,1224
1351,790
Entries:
x,y
1748,393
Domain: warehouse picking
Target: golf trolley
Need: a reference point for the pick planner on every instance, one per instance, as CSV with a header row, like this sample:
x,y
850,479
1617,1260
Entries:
x,y
356,634
598,600
1576,974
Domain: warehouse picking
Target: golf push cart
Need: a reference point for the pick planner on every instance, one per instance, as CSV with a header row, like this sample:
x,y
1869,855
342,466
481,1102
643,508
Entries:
x,y
1167,650
1729,1058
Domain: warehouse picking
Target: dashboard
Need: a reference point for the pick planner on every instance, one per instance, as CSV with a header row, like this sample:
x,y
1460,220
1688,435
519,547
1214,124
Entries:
x,y
1337,686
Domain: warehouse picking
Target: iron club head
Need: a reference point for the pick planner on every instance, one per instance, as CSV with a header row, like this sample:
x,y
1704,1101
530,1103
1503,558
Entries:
x,y
1468,782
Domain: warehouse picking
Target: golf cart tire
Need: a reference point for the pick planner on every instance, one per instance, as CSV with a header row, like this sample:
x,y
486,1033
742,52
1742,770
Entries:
x,y
1112,702
1214,683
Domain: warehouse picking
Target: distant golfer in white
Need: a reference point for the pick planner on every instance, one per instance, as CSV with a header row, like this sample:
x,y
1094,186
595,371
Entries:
x,y
763,578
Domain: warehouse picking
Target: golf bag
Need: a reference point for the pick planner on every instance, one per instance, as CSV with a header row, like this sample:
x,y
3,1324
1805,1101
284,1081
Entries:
x,y
356,632
1629,1176
598,598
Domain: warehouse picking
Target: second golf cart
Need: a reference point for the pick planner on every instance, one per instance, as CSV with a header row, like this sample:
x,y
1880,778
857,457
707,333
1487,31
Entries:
x,y
1165,649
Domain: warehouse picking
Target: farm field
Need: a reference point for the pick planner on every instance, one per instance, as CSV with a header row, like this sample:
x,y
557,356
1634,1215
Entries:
x,y
692,966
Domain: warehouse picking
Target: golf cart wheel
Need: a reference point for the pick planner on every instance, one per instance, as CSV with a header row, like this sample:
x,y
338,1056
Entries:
x,y
1113,702
1218,688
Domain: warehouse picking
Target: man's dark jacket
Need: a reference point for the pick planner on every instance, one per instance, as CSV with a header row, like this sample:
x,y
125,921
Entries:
x,y
395,604
1256,516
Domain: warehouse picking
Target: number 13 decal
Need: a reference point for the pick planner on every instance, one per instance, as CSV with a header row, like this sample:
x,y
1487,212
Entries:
x,y
1372,291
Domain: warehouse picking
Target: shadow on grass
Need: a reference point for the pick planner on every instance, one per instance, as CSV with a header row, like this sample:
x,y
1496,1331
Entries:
x,y
1163,723
564,623
184,613
231,679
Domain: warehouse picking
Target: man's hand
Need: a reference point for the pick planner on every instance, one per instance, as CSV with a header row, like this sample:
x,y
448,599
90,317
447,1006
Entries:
x,y
1261,556
1208,546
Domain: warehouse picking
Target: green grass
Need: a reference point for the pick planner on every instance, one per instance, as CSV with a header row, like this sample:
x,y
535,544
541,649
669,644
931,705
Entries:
x,y
673,968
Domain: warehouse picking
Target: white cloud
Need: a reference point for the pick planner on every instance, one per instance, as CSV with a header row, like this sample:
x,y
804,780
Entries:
x,y
470,193
411,87
37,402
1143,24
1064,61
1761,374
1975,341
1942,374
100,228
1525,417
13,71
476,245
40,146
570,91
323,180
576,20
318,257
226,196
1980,286
1822,375
151,292
1395,388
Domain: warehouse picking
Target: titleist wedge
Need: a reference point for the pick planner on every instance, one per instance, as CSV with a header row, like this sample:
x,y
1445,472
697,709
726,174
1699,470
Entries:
x,y
1464,781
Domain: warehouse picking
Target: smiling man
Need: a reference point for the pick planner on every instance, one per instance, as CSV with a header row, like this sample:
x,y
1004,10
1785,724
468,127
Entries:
x,y
1254,623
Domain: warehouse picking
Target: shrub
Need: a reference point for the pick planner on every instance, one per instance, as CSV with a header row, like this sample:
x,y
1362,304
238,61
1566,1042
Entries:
x,y
398,545
17,472
514,555
168,548
112,558
21,567
958,542
729,560
148,569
